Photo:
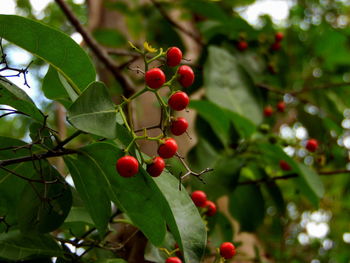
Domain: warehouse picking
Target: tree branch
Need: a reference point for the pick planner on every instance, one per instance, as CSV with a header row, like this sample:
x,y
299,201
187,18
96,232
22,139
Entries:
x,y
100,53
176,25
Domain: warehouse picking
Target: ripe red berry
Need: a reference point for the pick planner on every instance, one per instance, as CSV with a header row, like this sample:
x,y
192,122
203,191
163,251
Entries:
x,y
211,208
227,250
186,76
178,101
312,145
199,198
242,45
279,36
276,46
168,148
155,78
173,260
178,126
285,166
156,167
127,166
268,111
281,106
173,56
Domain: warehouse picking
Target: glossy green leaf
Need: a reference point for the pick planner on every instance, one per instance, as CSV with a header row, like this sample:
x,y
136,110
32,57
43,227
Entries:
x,y
183,219
16,246
51,45
79,214
15,97
215,116
54,89
158,198
247,205
112,260
91,191
229,86
94,111
43,208
136,196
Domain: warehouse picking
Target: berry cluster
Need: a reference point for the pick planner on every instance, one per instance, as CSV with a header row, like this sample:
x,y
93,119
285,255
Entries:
x,y
277,44
155,78
199,198
269,110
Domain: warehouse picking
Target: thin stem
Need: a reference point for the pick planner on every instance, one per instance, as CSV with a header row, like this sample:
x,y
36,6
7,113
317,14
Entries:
x,y
67,140
161,53
135,95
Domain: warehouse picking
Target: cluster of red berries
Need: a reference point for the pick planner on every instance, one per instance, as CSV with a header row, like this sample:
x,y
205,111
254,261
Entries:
x,y
268,110
199,198
277,44
155,78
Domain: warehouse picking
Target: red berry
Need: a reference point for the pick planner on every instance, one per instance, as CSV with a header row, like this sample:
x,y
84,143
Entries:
x,y
186,76
285,166
178,101
173,56
127,166
168,148
312,145
242,45
211,208
227,250
199,198
179,126
156,167
173,260
281,106
178,253
268,111
155,78
279,36
276,46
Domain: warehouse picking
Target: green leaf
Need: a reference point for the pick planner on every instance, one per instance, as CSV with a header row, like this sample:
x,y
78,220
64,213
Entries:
x,y
44,207
158,198
51,45
15,97
229,86
79,214
183,219
94,111
91,191
54,89
215,116
136,196
17,246
11,186
248,207
112,260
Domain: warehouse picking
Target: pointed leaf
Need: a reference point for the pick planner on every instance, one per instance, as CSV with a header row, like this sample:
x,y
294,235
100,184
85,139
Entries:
x,y
16,246
94,111
229,86
91,191
53,46
43,208
15,97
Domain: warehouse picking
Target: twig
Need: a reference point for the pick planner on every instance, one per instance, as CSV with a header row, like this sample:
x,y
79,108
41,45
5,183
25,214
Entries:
x,y
67,140
100,53
190,172
288,176
176,25
45,155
